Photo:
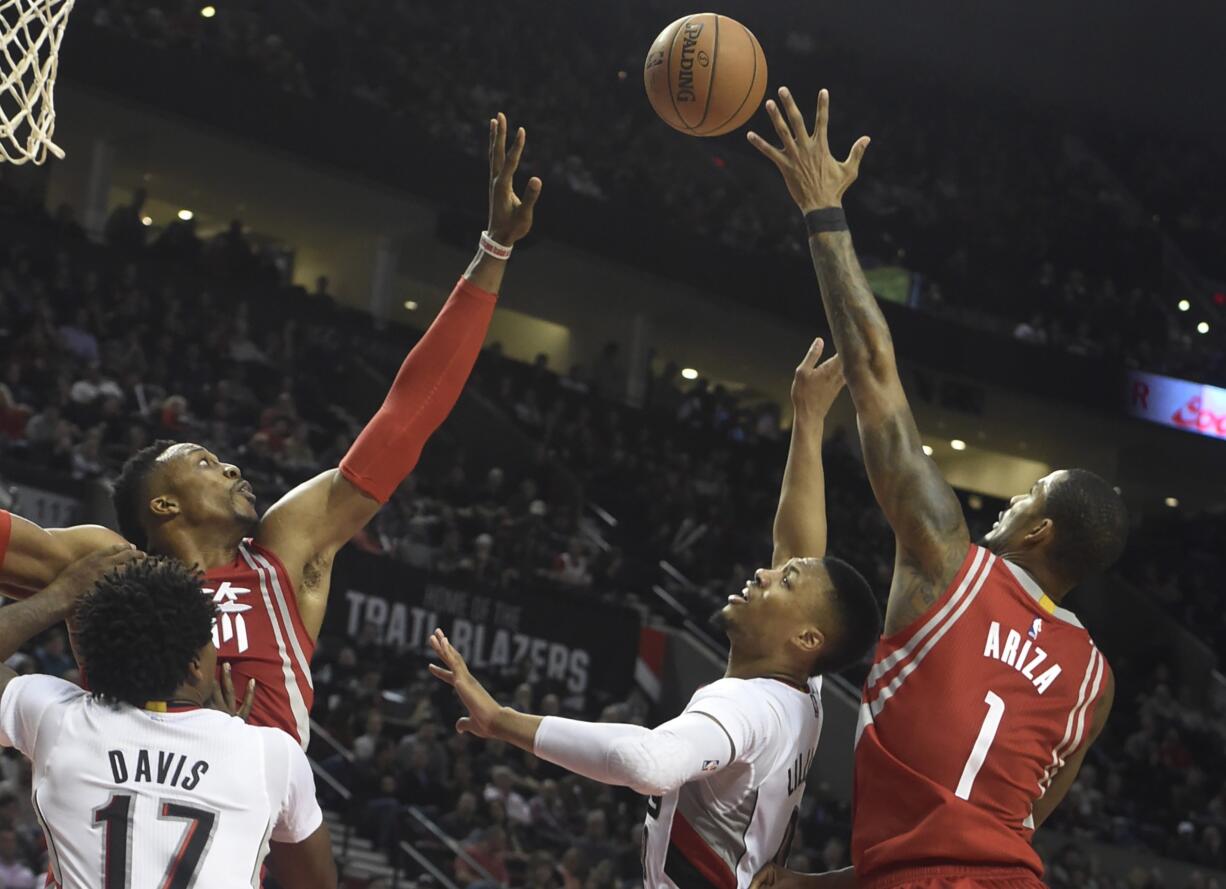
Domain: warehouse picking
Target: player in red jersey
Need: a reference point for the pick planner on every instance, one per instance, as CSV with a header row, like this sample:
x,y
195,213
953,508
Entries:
x,y
984,693
270,574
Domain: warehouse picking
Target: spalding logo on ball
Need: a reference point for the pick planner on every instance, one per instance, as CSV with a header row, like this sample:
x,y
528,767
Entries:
x,y
705,74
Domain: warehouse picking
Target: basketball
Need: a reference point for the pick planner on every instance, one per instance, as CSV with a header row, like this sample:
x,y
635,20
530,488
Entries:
x,y
705,74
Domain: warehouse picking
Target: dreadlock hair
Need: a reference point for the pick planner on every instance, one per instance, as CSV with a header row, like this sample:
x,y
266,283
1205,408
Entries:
x,y
141,627
1091,524
129,492
856,618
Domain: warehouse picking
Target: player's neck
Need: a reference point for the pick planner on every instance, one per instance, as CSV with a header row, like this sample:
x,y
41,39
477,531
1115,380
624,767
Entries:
x,y
188,693
1053,587
742,666
207,548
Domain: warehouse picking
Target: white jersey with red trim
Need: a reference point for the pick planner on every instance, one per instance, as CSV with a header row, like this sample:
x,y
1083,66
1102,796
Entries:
x,y
260,634
130,799
721,830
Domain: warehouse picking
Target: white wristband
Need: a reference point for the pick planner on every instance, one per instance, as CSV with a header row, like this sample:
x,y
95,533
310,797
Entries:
x,y
493,248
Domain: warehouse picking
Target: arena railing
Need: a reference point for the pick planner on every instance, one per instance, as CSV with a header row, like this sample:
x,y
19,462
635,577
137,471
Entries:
x,y
320,733
439,834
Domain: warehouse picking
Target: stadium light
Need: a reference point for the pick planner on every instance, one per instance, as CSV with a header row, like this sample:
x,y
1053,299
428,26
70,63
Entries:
x,y
689,373
208,12
146,220
411,305
958,444
1203,327
1172,502
1184,305
185,215
927,451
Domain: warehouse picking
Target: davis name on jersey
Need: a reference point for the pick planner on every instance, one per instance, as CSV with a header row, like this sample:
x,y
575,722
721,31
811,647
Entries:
x,y
966,717
171,767
721,829
130,799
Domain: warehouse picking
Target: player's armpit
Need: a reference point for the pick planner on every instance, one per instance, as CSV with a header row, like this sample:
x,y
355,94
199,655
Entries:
x,y
306,527
1068,773
35,556
929,527
305,865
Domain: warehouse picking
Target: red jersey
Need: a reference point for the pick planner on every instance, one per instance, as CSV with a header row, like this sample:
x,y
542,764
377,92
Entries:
x,y
965,719
260,634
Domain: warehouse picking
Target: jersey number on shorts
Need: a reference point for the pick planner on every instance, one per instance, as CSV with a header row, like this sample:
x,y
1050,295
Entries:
x,y
987,733
115,818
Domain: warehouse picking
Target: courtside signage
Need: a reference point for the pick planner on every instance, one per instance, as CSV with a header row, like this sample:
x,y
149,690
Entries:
x,y
1180,404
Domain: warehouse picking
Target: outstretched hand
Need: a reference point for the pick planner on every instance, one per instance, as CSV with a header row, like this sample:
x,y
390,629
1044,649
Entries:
x,y
817,383
814,178
510,215
483,710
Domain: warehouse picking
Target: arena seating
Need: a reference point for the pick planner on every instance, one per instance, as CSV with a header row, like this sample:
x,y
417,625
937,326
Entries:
x,y
91,373
1014,220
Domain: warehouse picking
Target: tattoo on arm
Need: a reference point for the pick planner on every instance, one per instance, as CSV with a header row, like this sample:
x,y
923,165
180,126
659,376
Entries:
x,y
855,318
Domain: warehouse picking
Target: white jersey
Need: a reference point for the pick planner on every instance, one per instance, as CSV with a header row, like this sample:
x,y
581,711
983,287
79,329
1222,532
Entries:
x,y
132,799
721,830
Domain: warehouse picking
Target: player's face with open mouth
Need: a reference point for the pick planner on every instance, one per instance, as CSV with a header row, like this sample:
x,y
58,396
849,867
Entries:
x,y
1019,519
206,487
775,602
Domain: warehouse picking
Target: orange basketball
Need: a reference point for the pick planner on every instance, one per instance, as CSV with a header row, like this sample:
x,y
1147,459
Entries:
x,y
705,74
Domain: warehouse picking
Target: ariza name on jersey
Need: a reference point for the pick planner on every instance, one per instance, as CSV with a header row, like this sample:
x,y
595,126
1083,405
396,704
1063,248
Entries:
x,y
1022,653
156,767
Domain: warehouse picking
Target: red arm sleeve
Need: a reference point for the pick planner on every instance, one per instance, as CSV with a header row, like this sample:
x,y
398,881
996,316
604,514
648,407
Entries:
x,y
423,394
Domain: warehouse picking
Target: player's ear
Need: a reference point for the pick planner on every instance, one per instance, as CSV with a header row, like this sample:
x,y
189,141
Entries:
x,y
164,506
197,671
1040,532
809,639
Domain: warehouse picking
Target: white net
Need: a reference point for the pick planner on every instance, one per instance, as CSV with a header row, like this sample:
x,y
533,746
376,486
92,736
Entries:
x,y
30,34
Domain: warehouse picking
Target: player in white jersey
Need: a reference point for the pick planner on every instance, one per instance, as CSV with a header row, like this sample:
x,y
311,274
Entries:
x,y
725,778
136,784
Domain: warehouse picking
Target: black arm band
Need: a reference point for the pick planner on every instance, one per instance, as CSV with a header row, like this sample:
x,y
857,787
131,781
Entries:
x,y
828,219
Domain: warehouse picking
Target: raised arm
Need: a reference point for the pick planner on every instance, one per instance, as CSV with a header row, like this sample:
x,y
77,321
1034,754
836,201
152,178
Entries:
x,y
307,526
800,520
652,762
930,531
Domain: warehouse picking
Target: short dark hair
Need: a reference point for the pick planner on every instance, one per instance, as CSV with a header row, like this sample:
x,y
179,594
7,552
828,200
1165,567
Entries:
x,y
1091,524
129,491
140,628
852,622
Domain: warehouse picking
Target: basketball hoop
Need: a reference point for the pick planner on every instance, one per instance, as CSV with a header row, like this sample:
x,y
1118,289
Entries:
x,y
30,34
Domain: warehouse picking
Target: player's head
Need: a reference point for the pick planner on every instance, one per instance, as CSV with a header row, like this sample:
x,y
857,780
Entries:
x,y
145,633
821,613
1071,518
180,482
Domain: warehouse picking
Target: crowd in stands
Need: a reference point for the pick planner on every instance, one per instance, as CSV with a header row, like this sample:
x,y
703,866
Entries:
x,y
1012,220
108,348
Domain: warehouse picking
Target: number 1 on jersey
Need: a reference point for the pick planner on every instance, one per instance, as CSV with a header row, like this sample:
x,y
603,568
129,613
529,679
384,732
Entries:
x,y
987,733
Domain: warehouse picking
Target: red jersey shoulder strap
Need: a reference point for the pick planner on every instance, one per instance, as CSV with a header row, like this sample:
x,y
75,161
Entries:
x,y
972,570
900,654
278,591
